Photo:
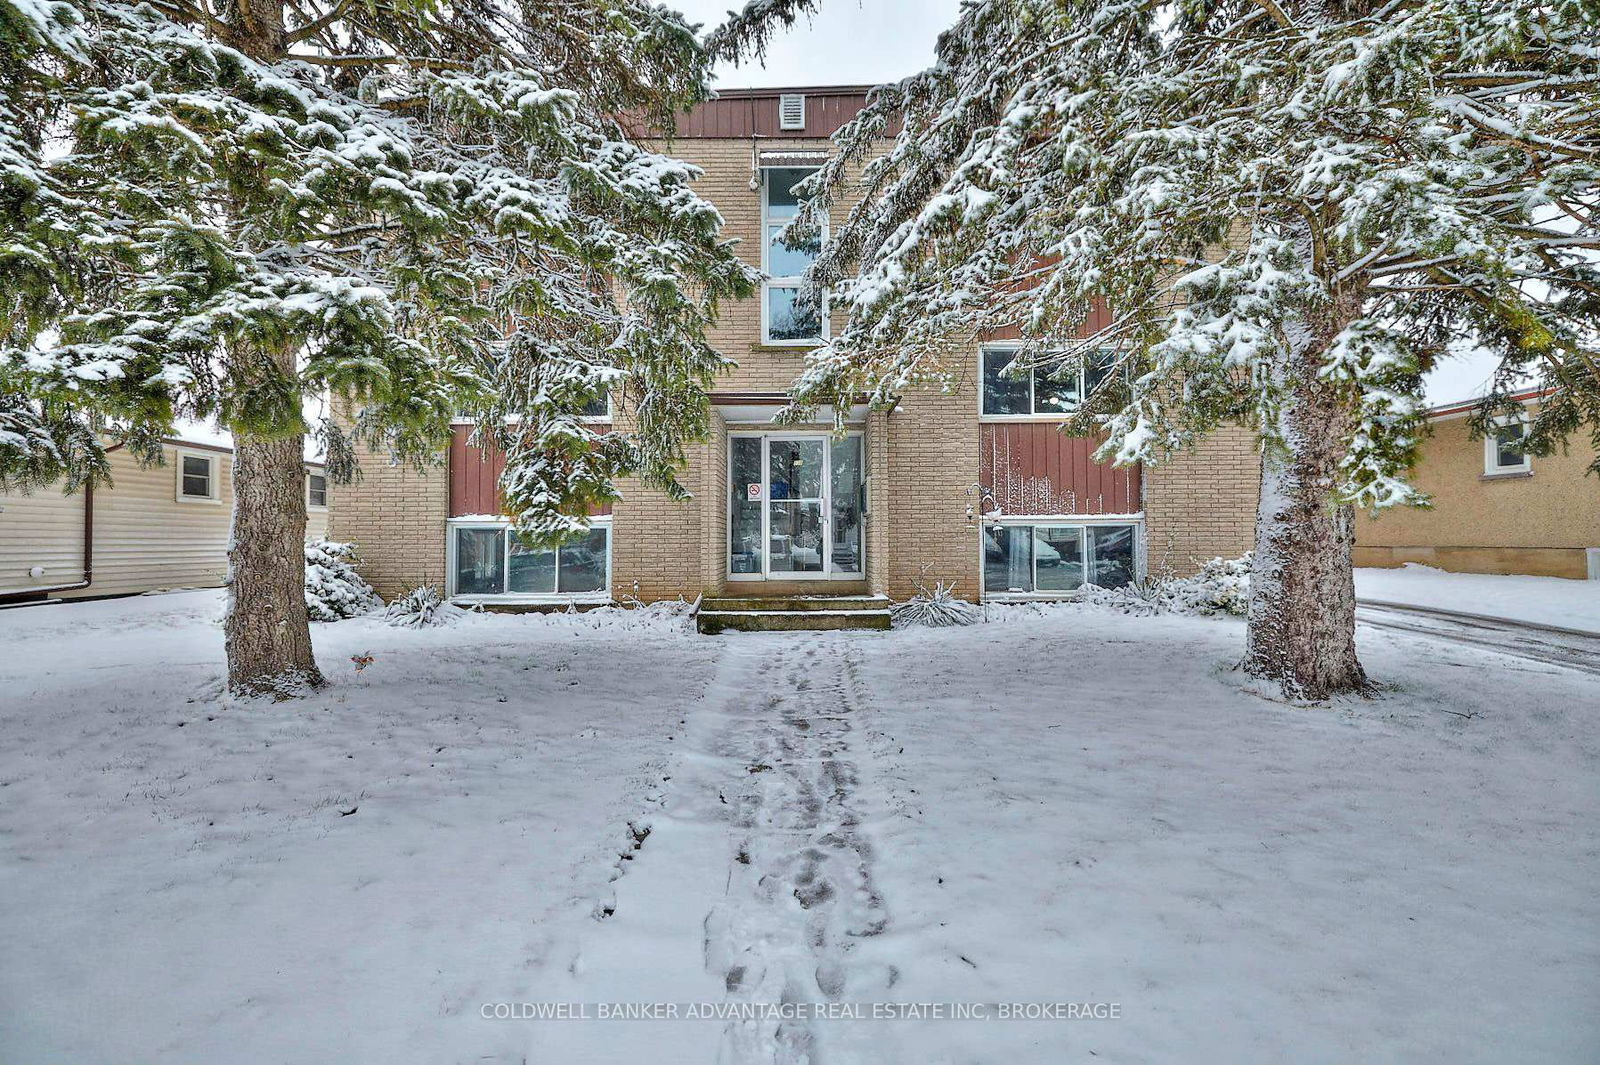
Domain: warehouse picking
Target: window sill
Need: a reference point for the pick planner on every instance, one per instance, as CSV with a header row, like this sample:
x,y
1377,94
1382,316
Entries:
x,y
1059,416
1032,597
1506,475
787,346
576,598
199,499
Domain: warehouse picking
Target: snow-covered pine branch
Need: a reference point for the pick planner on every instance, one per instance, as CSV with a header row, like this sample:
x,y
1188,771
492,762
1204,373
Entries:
x,y
1292,211
213,213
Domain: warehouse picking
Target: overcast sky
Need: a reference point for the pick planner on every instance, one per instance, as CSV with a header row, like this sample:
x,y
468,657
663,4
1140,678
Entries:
x,y
848,42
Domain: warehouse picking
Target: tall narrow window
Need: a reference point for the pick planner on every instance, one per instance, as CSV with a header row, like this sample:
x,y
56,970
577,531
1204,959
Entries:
x,y
785,320
317,491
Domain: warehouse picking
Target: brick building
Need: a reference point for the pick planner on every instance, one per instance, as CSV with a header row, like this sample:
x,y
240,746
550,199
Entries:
x,y
973,485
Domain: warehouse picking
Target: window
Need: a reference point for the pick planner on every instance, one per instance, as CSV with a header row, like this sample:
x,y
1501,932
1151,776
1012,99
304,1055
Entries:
x,y
1027,559
1040,392
487,560
1502,449
317,491
598,409
784,320
197,477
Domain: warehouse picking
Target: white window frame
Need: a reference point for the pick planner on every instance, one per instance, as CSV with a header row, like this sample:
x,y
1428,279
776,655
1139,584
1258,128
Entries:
x,y
310,473
213,480
602,521
1082,522
1491,450
786,281
985,350
766,437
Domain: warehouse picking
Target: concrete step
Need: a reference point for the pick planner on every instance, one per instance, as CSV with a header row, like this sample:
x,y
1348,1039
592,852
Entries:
x,y
715,621
797,602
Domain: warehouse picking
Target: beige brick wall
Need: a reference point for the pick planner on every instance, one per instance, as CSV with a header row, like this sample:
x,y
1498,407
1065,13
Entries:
x,y
922,460
932,462
727,166
395,515
1201,504
658,544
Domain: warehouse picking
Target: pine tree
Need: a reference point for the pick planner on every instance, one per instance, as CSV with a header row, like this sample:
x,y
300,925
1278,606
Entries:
x,y
217,209
1293,211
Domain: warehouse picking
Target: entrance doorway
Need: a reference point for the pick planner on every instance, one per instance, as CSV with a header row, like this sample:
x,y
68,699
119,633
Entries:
x,y
796,503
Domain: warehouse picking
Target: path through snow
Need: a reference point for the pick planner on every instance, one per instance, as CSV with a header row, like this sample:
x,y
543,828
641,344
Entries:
x,y
761,848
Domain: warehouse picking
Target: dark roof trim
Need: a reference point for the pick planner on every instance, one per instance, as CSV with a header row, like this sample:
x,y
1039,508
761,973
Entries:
x,y
808,90
1527,395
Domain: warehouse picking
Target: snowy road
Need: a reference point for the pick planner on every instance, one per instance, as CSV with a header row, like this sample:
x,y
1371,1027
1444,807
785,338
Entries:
x,y
1570,648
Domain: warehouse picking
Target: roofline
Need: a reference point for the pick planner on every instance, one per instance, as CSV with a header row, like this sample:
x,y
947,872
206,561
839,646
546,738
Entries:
x,y
221,449
1462,406
810,90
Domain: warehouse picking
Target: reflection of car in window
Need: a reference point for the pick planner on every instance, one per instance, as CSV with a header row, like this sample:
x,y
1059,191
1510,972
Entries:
x,y
1043,553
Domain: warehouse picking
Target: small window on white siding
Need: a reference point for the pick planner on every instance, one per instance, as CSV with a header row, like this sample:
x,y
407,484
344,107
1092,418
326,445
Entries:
x,y
317,491
792,111
197,477
1502,449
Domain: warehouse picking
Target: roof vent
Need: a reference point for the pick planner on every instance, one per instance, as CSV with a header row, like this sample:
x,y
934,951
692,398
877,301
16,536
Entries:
x,y
792,111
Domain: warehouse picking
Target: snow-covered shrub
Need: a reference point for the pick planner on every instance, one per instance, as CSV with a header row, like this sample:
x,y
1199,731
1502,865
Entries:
x,y
938,607
334,589
1222,586
421,608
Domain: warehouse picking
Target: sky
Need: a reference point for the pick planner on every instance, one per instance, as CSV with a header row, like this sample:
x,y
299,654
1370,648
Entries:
x,y
847,42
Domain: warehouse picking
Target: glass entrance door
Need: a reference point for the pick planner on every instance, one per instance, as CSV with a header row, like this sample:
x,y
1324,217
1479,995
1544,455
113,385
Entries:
x,y
796,507
796,471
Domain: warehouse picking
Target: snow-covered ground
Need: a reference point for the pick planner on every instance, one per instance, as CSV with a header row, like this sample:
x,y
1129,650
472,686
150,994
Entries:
x,y
1065,805
1545,600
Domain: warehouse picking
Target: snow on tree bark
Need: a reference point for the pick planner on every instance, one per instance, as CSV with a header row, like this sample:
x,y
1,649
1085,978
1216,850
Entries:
x,y
266,630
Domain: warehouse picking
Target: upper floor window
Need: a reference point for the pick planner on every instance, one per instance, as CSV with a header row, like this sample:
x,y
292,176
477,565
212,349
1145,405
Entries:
x,y
1502,449
1038,392
783,319
317,491
197,477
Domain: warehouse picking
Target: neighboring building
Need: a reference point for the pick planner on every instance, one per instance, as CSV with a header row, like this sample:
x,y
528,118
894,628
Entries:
x,y
1495,509
152,529
777,511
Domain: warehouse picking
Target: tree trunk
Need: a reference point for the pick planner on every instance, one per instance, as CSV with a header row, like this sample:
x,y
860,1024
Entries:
x,y
268,635
1302,615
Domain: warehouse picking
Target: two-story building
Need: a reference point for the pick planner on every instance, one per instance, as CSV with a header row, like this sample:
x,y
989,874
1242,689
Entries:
x,y
902,496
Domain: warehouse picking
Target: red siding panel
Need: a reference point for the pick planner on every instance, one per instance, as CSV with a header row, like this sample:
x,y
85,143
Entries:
x,y
475,476
1034,468
739,113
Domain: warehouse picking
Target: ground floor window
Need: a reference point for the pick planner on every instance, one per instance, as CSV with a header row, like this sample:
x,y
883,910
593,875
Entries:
x,y
490,560
1023,559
